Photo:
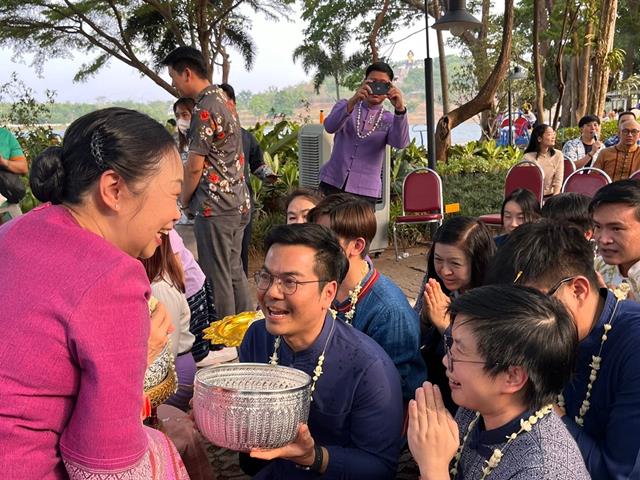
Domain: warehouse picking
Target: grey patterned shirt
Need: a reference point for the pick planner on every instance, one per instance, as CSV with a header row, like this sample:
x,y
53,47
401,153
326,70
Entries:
x,y
547,452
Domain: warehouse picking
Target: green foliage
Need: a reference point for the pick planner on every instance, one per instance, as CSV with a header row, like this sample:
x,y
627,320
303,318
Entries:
x,y
479,157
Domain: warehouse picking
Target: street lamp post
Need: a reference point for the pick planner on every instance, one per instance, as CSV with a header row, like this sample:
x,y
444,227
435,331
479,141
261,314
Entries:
x,y
456,19
517,74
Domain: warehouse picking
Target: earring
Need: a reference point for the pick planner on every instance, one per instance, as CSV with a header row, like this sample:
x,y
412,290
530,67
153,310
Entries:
x,y
117,206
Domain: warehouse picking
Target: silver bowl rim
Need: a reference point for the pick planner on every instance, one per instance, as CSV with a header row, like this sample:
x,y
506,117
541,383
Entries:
x,y
263,366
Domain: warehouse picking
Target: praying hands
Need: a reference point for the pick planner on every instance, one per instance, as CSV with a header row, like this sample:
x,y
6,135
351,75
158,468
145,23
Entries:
x,y
435,306
433,433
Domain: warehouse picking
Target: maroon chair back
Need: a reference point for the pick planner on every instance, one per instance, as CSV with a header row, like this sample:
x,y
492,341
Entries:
x,y
586,181
569,168
527,175
422,191
635,175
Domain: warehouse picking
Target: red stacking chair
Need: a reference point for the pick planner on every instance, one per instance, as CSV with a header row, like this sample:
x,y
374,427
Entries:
x,y
421,200
635,175
586,180
525,174
569,168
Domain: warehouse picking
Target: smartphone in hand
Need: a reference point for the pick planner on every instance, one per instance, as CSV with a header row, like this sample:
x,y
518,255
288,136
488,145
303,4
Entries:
x,y
379,88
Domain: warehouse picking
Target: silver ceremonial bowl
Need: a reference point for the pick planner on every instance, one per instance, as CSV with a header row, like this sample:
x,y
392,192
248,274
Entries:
x,y
241,406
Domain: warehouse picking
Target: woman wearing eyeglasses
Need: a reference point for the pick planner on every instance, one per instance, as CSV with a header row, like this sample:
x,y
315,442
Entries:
x,y
459,255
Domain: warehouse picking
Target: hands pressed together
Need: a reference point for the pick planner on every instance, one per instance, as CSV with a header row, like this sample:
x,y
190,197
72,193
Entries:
x,y
433,433
435,305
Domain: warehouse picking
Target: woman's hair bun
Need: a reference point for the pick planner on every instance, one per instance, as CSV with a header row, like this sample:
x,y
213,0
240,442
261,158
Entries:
x,y
47,176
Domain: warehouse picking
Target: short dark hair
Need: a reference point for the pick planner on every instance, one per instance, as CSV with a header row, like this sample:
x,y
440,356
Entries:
x,y
588,119
625,191
186,57
527,201
622,114
542,254
534,143
330,261
380,67
187,102
128,142
350,217
228,89
313,195
520,326
571,208
473,238
172,122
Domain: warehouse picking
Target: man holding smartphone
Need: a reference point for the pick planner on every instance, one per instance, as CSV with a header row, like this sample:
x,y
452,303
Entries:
x,y
363,128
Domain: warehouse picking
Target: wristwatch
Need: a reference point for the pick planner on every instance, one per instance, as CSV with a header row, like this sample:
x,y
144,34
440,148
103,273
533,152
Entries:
x,y
317,461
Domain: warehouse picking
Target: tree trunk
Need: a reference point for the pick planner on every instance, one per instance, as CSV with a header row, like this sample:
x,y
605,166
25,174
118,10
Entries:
x,y
337,82
568,25
444,79
373,36
585,64
567,112
537,62
606,31
486,96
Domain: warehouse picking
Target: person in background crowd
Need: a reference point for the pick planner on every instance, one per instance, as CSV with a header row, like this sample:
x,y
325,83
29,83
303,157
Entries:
x,y
584,150
182,109
615,139
623,159
615,210
600,405
355,419
456,263
76,411
570,209
540,150
299,203
362,130
254,163
168,286
520,206
366,299
214,188
12,164
502,341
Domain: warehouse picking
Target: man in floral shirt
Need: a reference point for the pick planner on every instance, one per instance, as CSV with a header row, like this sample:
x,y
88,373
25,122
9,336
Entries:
x,y
214,185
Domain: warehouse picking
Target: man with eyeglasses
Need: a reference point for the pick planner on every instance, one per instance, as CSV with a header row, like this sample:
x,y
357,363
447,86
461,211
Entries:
x,y
623,159
355,419
601,405
498,386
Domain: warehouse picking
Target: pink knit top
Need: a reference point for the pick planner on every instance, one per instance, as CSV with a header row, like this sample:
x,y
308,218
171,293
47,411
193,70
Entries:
x,y
74,322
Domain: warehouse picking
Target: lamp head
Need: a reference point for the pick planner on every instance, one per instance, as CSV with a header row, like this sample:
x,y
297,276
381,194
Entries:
x,y
457,19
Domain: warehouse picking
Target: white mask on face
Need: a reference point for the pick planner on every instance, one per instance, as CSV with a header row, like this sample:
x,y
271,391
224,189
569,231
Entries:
x,y
183,126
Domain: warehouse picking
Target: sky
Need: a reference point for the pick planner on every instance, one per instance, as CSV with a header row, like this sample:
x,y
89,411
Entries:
x,y
273,67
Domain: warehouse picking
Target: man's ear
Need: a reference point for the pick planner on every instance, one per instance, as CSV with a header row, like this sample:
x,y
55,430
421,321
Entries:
x,y
514,379
359,245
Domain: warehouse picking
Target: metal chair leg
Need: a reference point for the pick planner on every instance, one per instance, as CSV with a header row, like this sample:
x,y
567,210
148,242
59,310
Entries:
x,y
395,241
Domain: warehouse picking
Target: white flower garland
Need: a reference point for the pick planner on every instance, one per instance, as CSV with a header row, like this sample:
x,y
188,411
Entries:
x,y
317,372
375,125
496,457
353,297
596,360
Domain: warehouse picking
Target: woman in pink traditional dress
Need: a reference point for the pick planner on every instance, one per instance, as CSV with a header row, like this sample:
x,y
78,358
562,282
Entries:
x,y
75,315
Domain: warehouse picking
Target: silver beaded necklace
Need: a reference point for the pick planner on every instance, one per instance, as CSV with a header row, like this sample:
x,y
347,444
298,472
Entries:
x,y
359,118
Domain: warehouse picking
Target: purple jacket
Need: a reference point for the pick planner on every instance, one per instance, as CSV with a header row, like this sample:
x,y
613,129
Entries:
x,y
356,161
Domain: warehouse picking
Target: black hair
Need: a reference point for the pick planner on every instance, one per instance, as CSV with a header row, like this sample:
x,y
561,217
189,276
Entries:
x,y
380,67
125,141
534,143
350,217
172,122
473,238
520,326
228,89
588,119
186,102
186,57
313,195
570,208
625,191
542,254
622,114
330,261
527,201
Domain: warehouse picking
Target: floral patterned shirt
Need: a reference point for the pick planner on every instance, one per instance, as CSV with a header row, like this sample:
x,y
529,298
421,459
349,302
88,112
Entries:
x,y
215,134
613,278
